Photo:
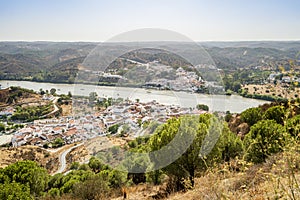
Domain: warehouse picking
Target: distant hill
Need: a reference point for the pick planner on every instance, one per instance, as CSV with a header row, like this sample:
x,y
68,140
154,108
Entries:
x,y
60,61
281,45
21,63
241,57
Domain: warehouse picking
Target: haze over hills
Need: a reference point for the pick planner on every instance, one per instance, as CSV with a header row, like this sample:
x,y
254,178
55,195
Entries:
x,y
281,45
60,61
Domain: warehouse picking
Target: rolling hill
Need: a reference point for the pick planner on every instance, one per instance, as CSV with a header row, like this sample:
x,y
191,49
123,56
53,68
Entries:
x,y
60,61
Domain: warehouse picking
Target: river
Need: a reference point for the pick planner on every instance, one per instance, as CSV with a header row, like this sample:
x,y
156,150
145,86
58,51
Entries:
x,y
233,103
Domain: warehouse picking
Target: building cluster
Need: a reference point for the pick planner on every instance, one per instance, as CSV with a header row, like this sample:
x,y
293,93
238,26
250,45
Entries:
x,y
69,129
73,129
281,78
183,81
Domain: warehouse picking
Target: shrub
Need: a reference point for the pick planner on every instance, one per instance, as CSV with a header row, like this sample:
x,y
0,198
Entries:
x,y
265,138
251,116
202,107
276,113
293,126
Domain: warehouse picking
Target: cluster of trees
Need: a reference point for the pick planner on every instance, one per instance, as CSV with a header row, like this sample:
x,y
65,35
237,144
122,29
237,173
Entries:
x,y
9,126
31,113
23,180
27,180
103,102
198,142
270,130
234,80
244,93
201,142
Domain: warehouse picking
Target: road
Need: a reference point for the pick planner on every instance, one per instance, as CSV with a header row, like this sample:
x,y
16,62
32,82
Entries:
x,y
62,159
55,107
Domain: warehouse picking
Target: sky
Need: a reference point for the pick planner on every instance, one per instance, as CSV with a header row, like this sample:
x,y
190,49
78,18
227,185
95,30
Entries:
x,y
100,20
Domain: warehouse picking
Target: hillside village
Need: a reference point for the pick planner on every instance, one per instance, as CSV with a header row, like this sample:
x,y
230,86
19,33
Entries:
x,y
72,129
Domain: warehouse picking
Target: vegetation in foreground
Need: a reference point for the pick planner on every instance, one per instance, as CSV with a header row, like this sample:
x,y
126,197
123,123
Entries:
x,y
262,163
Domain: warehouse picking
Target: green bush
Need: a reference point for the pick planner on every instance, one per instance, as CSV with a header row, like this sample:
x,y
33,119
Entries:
x,y
231,145
265,138
251,115
114,128
27,173
276,113
14,191
293,126
202,107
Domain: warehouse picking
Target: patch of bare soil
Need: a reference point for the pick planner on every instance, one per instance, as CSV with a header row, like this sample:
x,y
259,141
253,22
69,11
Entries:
x,y
43,157
46,158
66,109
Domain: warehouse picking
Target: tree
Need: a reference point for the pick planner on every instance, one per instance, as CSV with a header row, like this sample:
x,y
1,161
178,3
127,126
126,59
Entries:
x,y
133,144
117,178
2,127
265,138
66,183
194,149
69,94
15,191
93,97
96,165
28,173
95,187
276,113
231,144
125,129
75,166
54,192
42,92
113,129
202,107
251,115
137,165
58,142
293,126
52,91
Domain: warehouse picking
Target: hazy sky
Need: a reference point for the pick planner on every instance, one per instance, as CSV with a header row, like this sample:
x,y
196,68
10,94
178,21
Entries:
x,y
99,20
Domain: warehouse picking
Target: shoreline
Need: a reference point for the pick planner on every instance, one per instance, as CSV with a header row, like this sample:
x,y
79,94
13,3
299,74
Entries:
x,y
268,98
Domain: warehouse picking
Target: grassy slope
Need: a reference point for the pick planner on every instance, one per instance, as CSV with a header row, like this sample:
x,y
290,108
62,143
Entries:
x,y
277,178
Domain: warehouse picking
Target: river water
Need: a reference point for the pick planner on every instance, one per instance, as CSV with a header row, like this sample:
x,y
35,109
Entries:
x,y
233,103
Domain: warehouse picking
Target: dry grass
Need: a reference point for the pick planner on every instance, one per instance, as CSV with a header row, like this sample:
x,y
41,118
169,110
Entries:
x,y
66,110
12,155
272,90
47,159
277,178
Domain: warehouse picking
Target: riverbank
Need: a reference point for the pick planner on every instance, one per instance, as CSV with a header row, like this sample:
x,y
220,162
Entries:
x,y
223,103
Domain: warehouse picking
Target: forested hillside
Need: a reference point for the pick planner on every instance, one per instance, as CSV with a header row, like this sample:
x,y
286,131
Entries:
x,y
44,61
262,162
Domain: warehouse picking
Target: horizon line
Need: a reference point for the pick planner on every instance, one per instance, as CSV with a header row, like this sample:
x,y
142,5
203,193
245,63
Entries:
x,y
197,41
